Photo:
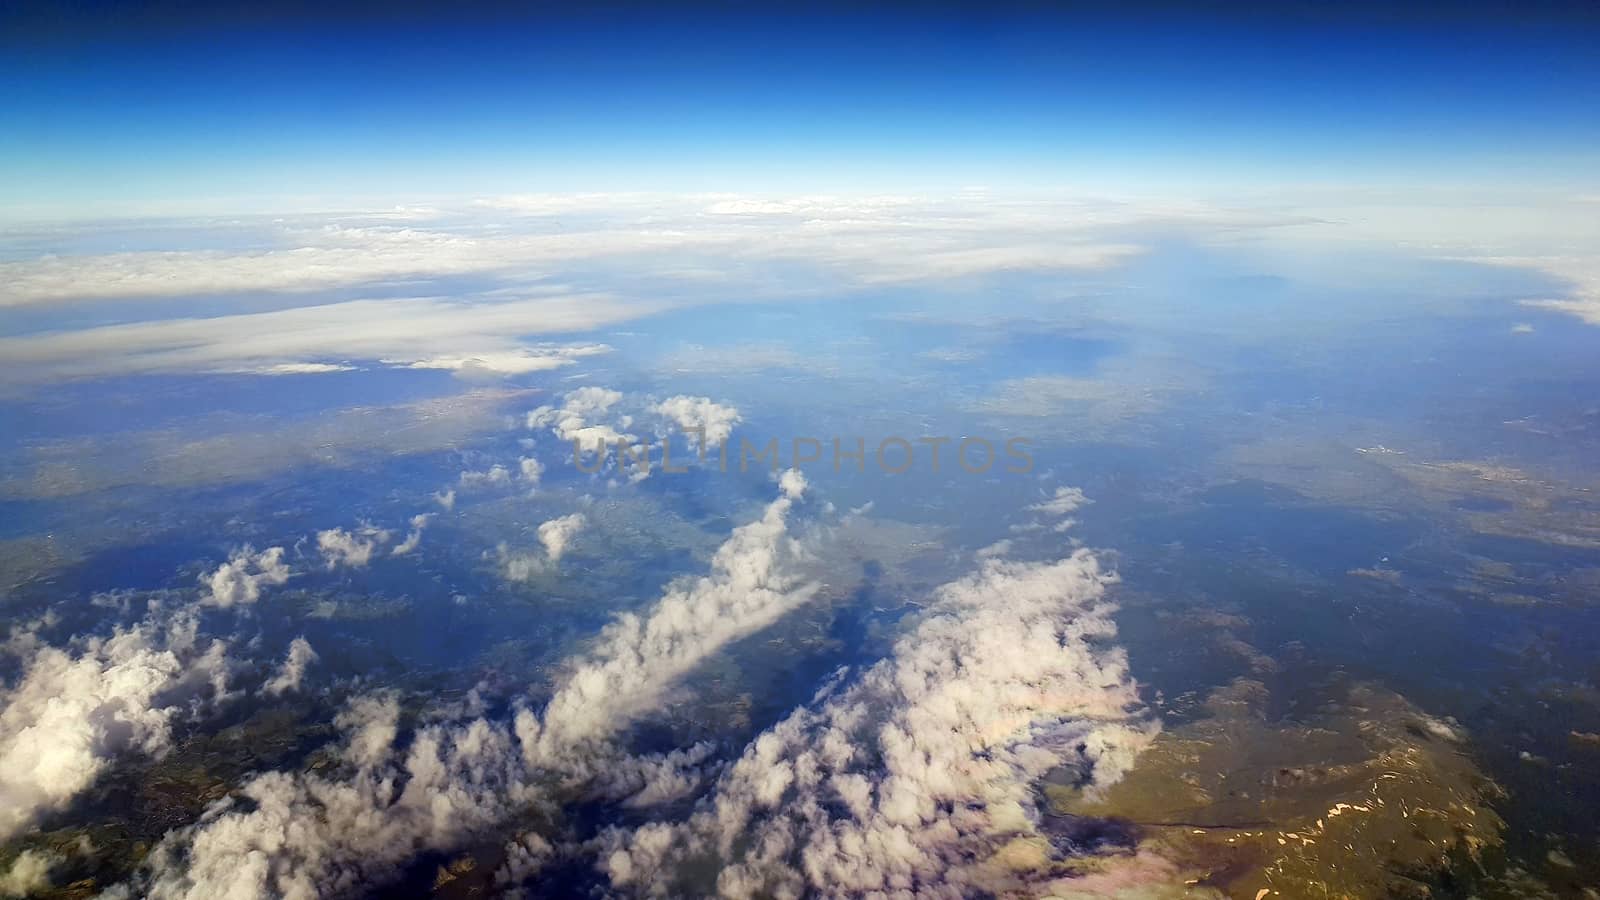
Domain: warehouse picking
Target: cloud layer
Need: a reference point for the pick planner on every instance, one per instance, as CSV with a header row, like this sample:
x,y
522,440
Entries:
x,y
311,834
911,779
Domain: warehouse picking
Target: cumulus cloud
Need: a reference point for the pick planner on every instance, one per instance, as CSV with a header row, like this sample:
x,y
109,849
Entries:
x,y
350,548
309,835
712,419
241,578
753,580
305,834
74,709
909,779
1066,500
293,670
557,533
28,873
532,470
414,538
575,419
554,536
495,476
446,499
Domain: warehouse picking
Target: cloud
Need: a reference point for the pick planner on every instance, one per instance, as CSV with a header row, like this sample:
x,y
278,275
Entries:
x,y
28,873
514,362
438,333
291,368
446,499
1065,501
713,420
911,778
354,549
557,533
554,536
74,709
673,252
496,476
240,579
574,419
532,470
311,833
293,670
414,539
753,580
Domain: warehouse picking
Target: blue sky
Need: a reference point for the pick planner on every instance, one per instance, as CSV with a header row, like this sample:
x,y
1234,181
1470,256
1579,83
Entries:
x,y
414,105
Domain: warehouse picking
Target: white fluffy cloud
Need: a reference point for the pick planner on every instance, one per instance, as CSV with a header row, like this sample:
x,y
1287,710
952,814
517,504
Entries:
x,y
74,709
713,419
1066,500
575,419
293,671
311,834
350,548
532,470
414,538
557,533
753,580
28,873
908,780
494,476
554,536
307,835
241,578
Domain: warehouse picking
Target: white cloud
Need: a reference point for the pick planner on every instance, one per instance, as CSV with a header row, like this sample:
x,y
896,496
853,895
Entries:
x,y
310,835
414,538
532,470
557,533
28,873
350,548
293,670
292,368
73,710
446,499
496,476
574,419
554,537
307,834
714,420
912,777
513,362
664,243
423,332
753,581
241,578
1066,500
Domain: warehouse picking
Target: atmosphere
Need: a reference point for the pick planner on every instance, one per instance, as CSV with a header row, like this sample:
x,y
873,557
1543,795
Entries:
x,y
167,111
888,452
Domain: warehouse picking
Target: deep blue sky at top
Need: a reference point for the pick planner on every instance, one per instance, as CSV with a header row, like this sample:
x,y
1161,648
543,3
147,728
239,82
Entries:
x,y
113,108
